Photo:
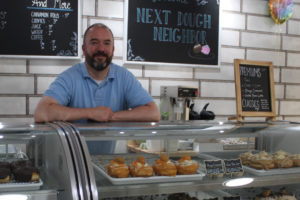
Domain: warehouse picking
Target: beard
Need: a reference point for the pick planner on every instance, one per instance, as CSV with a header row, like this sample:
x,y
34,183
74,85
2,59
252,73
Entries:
x,y
91,61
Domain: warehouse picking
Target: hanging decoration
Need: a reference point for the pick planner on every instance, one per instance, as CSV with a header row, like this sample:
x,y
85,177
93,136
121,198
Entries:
x,y
281,10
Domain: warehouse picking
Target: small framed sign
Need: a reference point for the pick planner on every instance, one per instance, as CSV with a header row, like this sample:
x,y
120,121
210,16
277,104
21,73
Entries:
x,y
254,85
233,167
214,167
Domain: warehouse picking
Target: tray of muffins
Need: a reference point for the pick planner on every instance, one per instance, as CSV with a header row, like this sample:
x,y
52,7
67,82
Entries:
x,y
262,163
19,175
151,170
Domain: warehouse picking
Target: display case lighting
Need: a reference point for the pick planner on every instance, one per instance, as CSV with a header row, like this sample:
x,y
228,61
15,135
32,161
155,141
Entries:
x,y
238,182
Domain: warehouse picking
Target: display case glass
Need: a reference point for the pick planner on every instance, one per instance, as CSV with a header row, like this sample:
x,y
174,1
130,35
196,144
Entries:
x,y
216,146
36,163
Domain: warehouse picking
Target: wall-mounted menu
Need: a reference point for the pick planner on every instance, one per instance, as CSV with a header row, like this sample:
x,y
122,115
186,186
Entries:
x,y
254,88
172,33
39,28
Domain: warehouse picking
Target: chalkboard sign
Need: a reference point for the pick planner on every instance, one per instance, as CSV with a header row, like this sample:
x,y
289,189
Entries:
x,y
233,166
254,89
183,33
39,28
214,167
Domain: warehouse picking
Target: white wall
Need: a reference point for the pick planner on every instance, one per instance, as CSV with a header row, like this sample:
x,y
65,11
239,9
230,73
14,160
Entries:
x,y
248,32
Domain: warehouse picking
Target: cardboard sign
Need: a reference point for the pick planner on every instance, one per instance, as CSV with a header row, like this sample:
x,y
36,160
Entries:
x,y
254,84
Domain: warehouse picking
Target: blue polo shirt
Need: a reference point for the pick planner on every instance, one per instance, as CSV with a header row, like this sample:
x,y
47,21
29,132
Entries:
x,y
119,91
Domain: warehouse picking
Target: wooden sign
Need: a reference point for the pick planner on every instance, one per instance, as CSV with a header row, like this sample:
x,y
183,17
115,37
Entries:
x,y
214,167
233,166
254,85
31,28
175,33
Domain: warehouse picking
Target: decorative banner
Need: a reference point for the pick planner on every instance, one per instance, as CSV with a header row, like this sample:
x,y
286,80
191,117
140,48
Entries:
x,y
281,10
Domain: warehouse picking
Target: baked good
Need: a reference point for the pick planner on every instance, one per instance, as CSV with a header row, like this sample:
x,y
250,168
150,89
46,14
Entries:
x,y
181,196
4,164
164,167
139,168
285,195
20,163
246,157
5,175
186,166
26,174
296,160
266,195
117,168
262,160
282,159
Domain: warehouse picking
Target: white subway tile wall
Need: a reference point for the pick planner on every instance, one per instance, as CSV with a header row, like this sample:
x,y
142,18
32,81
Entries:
x,y
247,32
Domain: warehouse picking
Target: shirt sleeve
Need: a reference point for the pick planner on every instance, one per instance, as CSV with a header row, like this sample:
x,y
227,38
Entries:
x,y
136,95
60,90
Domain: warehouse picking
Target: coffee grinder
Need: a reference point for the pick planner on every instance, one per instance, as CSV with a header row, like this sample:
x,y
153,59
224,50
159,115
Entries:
x,y
175,102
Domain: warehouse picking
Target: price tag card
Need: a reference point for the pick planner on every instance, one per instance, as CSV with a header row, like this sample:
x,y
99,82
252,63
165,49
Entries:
x,y
233,166
214,167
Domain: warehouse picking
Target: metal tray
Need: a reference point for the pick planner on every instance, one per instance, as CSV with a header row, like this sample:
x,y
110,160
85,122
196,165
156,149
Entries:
x,y
16,186
100,167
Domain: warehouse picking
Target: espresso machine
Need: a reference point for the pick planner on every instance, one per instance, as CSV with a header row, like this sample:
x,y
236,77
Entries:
x,y
175,102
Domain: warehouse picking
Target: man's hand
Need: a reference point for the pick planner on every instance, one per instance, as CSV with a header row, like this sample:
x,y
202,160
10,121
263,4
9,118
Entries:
x,y
100,114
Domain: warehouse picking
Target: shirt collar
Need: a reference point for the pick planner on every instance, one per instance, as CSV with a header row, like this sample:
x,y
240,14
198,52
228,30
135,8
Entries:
x,y
111,72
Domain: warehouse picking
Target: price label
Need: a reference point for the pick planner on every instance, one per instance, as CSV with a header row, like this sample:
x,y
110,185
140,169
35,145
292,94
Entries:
x,y
214,167
233,166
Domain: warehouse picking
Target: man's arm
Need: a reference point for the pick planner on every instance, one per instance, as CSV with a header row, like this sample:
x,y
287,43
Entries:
x,y
48,109
145,113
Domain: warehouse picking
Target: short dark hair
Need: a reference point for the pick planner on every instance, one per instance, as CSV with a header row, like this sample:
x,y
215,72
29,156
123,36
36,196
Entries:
x,y
96,25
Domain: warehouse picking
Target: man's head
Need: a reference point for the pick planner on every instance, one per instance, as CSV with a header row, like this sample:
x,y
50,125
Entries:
x,y
98,46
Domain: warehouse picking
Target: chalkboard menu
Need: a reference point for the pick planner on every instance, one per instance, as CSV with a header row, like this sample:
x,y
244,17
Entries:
x,y
165,32
30,28
254,89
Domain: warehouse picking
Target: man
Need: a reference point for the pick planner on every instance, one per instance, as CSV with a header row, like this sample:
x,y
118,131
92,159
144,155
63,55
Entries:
x,y
96,90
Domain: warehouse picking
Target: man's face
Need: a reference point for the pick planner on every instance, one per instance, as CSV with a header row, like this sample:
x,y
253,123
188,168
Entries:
x,y
98,48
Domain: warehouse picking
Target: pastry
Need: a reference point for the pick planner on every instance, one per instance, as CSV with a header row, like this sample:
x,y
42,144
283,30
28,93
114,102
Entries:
x,y
186,166
246,157
164,167
262,160
282,159
285,195
26,174
4,164
20,163
296,160
266,195
117,168
5,175
139,168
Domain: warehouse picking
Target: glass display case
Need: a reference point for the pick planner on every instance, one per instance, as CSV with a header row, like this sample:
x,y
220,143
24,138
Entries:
x,y
217,148
40,162
234,160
